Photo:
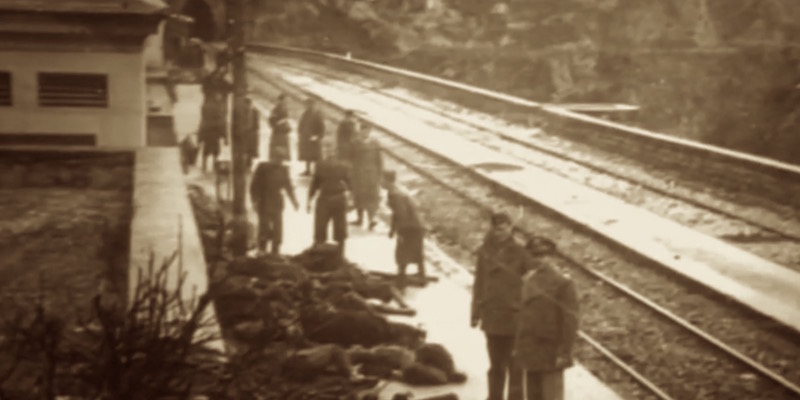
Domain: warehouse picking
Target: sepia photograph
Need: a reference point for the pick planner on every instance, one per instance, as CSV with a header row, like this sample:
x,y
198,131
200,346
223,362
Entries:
x,y
399,199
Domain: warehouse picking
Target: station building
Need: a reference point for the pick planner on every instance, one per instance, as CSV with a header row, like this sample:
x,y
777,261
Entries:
x,y
73,72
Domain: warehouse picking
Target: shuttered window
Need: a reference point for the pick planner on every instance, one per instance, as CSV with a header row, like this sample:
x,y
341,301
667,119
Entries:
x,y
5,88
73,90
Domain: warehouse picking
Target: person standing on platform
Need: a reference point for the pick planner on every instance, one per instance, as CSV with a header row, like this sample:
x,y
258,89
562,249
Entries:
x,y
345,134
367,170
252,133
279,123
332,181
547,326
310,131
495,302
213,126
406,223
269,179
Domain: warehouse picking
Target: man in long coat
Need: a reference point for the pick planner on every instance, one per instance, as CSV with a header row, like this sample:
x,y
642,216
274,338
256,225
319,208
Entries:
x,y
332,181
547,325
310,131
213,126
269,180
495,302
406,223
252,133
367,170
279,124
345,134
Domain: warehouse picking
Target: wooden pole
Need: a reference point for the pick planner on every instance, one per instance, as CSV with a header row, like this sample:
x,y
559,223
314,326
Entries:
x,y
239,124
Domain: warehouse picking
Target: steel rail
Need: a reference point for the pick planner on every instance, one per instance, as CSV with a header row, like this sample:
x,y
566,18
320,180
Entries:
x,y
778,167
529,144
719,345
640,379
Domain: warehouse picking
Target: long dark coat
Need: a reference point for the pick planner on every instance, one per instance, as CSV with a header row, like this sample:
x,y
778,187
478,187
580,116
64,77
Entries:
x,y
213,124
279,124
310,131
367,170
345,135
251,139
498,283
406,222
548,320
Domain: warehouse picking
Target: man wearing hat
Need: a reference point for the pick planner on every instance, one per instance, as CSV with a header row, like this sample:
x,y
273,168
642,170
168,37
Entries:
x,y
269,179
547,325
279,123
495,302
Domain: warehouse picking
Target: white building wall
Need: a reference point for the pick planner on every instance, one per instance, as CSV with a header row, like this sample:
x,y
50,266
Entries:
x,y
122,123
154,48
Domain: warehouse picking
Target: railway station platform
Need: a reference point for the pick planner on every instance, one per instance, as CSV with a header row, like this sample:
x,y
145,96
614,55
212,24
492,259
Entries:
x,y
765,287
442,307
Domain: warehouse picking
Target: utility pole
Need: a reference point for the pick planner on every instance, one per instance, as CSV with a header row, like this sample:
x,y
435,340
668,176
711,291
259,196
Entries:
x,y
239,124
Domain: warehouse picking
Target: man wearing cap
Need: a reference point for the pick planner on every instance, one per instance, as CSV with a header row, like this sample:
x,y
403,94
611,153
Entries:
x,y
332,181
269,179
310,131
279,123
345,134
495,303
547,325
406,223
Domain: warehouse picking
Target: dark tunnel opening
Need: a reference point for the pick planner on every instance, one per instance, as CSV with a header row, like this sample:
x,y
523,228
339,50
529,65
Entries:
x,y
203,26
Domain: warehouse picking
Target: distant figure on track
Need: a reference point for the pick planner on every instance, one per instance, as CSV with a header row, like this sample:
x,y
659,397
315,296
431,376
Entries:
x,y
495,300
310,132
345,134
547,325
367,172
279,124
332,180
269,179
405,221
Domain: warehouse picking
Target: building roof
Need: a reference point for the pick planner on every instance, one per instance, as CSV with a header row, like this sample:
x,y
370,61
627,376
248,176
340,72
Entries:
x,y
85,6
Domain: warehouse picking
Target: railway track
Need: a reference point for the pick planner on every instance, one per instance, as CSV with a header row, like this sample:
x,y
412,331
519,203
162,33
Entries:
x,y
756,229
739,175
673,348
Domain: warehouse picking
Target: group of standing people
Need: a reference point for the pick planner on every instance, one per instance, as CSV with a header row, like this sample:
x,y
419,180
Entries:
x,y
213,130
528,312
348,172
526,308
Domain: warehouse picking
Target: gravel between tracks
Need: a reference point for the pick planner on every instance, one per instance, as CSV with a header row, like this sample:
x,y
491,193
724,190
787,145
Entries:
x,y
634,188
666,356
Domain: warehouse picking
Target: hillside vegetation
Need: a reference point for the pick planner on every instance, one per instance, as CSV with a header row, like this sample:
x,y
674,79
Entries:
x,y
719,71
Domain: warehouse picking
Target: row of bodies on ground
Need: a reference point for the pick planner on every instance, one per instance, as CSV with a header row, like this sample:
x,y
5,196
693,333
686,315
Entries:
x,y
316,315
357,167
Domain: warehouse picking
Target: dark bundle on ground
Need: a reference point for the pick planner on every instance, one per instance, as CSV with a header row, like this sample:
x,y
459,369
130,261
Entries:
x,y
436,356
322,257
420,374
318,310
268,268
